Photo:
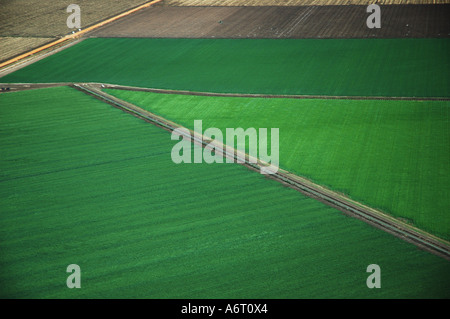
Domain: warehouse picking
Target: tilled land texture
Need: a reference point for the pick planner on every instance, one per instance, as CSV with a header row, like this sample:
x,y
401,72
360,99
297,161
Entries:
x,y
30,18
281,22
293,2
27,24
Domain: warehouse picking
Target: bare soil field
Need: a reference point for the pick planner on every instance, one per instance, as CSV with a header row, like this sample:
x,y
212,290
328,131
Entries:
x,y
280,22
294,2
48,18
27,24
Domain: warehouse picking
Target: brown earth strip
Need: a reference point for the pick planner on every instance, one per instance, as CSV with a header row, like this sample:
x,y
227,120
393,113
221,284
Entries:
x,y
257,3
27,20
400,21
75,35
369,215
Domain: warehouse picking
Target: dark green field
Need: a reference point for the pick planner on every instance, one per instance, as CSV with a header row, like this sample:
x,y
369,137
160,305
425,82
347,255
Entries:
x,y
356,67
391,155
85,183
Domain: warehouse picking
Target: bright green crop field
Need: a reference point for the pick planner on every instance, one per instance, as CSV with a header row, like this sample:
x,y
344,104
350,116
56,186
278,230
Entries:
x,y
357,67
84,183
391,155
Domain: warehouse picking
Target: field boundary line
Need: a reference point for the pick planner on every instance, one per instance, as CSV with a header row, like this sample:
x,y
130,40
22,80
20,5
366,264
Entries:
x,y
400,229
77,34
15,87
276,96
22,86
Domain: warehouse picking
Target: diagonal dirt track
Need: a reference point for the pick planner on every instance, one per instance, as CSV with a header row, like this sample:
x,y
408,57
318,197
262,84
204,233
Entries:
x,y
369,215
76,35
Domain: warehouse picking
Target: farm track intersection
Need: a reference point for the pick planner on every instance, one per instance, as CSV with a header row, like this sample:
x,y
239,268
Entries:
x,y
334,199
331,198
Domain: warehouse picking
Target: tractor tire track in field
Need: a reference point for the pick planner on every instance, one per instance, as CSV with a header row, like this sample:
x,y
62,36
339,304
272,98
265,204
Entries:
x,y
369,215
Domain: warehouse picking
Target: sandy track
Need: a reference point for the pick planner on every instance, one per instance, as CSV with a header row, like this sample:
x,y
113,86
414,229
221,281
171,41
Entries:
x,y
24,23
280,22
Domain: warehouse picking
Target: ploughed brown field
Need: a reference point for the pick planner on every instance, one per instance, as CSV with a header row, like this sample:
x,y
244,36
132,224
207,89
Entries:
x,y
280,22
27,24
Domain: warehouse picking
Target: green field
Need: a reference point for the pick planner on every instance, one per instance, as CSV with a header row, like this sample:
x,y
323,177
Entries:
x,y
391,155
357,67
85,183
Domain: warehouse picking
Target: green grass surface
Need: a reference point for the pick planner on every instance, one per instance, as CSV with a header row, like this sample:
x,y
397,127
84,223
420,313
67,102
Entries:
x,y
85,183
361,67
391,155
